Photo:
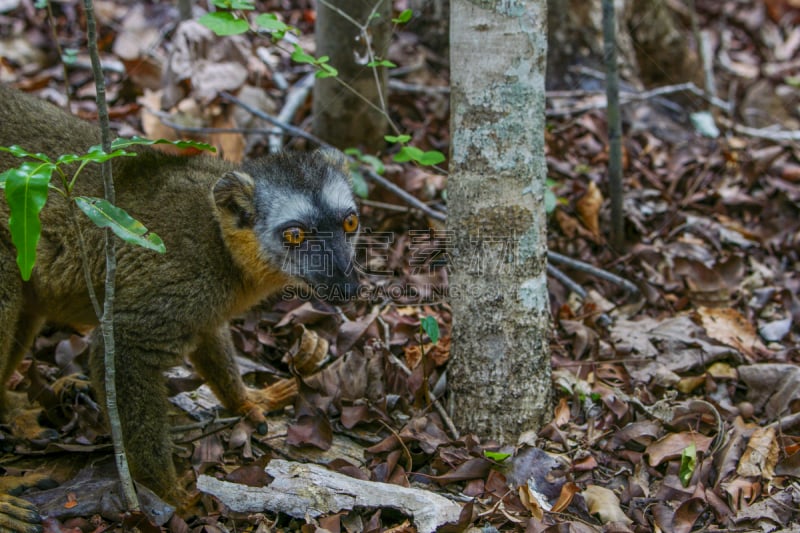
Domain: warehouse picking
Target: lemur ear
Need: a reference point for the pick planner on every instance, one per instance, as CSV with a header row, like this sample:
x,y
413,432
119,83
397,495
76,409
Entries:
x,y
333,157
233,194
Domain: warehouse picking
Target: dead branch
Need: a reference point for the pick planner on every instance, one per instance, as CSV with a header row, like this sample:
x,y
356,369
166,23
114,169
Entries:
x,y
308,490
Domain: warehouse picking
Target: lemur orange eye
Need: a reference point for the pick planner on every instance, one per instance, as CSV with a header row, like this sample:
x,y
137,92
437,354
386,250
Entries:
x,y
294,236
350,222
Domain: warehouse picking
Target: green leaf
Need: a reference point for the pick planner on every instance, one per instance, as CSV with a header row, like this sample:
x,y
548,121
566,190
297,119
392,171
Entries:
x,y
270,22
26,192
222,4
496,456
359,184
20,152
397,138
224,23
431,157
360,187
94,155
688,464
431,327
374,162
408,153
326,71
381,63
70,56
123,142
403,17
298,56
124,226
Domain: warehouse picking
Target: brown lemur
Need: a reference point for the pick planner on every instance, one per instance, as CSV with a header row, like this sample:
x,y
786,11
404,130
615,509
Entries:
x,y
233,234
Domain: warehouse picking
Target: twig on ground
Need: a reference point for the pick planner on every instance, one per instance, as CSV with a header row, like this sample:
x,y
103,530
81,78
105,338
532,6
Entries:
x,y
567,281
570,284
385,206
627,96
594,271
769,134
406,451
787,422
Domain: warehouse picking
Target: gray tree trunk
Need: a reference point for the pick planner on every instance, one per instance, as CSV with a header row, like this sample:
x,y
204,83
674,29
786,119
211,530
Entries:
x,y
342,117
499,374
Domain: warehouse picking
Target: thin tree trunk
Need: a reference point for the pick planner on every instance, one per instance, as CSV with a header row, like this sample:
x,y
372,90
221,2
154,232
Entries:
x,y
350,110
500,367
107,320
615,190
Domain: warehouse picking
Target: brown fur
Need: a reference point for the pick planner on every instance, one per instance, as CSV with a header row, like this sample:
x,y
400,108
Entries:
x,y
167,306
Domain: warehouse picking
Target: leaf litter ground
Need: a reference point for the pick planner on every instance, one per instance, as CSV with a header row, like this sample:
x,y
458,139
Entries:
x,y
677,414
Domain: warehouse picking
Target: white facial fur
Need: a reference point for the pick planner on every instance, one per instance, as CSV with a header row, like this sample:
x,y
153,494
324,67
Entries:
x,y
289,206
338,195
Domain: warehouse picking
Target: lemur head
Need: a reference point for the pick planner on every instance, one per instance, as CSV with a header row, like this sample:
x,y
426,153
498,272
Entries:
x,y
300,210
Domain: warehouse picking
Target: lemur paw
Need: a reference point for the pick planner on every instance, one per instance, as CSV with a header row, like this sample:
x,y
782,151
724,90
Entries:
x,y
69,392
276,396
69,388
19,515
308,357
261,401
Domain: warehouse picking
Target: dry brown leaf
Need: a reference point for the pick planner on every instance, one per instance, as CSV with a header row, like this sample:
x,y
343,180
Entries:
x,y
568,225
742,491
588,207
311,353
413,355
152,126
722,370
672,445
687,514
773,387
728,326
688,384
604,504
229,145
530,501
568,492
137,34
761,454
562,414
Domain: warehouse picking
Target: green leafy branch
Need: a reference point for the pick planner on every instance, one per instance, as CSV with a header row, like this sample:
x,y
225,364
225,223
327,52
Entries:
x,y
430,326
26,189
230,20
403,17
412,153
324,70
